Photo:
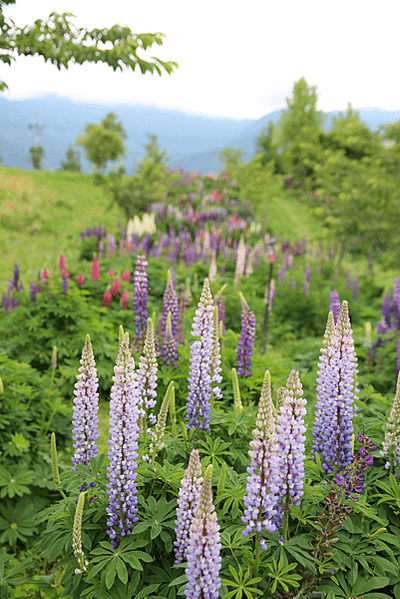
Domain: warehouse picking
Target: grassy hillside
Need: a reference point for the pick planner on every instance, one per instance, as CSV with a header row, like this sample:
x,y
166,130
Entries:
x,y
41,216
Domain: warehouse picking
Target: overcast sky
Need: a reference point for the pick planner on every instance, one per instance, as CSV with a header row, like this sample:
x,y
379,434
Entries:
x,y
237,58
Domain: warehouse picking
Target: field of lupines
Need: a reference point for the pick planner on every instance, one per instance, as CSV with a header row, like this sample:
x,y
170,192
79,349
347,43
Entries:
x,y
207,446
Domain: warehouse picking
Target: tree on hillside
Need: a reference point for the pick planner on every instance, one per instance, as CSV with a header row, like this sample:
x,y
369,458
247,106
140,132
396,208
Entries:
x,y
58,41
72,160
149,184
294,144
231,159
36,156
351,134
104,142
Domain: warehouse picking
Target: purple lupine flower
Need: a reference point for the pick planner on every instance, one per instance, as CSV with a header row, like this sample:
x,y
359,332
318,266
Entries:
x,y
64,285
290,446
187,504
123,446
246,339
32,292
397,358
396,303
334,304
85,420
200,375
184,300
140,291
355,288
169,352
391,443
170,304
386,309
203,551
352,480
147,378
260,498
336,391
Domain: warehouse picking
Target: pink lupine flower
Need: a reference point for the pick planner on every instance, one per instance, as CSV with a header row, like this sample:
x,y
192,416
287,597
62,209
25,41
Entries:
x,y
107,297
124,300
80,279
111,273
95,270
45,273
62,263
115,287
126,275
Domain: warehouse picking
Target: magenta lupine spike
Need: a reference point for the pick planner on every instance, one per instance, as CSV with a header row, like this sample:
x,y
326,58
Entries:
x,y
201,351
147,378
187,503
140,292
290,447
246,339
203,551
123,446
391,443
260,498
85,421
170,304
336,391
169,351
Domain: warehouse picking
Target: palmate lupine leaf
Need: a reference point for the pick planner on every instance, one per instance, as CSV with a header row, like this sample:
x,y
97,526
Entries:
x,y
15,483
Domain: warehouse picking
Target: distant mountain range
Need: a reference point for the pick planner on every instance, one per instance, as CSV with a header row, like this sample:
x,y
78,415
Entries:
x,y
192,141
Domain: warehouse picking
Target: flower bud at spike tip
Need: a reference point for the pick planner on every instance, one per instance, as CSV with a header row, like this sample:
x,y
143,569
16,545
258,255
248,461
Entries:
x,y
1,386
237,402
54,358
156,445
77,535
54,461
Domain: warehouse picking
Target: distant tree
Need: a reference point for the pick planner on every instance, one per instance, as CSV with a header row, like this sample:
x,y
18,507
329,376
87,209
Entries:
x,y
58,41
72,160
266,146
349,133
231,159
149,184
36,156
299,132
103,143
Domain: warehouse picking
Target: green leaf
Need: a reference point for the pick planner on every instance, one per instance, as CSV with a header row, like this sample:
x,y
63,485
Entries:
x,y
122,571
111,573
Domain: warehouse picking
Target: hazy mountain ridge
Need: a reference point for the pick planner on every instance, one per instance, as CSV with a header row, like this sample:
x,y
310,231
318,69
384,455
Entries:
x,y
192,141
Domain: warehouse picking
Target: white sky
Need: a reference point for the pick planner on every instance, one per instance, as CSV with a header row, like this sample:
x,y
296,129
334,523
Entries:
x,y
237,58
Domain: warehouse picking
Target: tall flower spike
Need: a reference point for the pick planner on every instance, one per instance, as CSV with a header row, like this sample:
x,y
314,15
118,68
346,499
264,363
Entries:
x,y
123,446
290,448
169,351
336,391
77,535
147,378
246,339
203,551
201,352
260,498
140,292
237,401
157,438
85,420
170,304
216,358
391,443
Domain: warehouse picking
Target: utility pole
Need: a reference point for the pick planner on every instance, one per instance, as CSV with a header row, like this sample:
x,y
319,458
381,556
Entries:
x,y
37,127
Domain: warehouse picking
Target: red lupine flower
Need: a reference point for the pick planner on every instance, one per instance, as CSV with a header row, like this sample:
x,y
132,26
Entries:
x,y
115,287
62,263
124,300
111,273
107,297
45,274
95,270
80,279
126,275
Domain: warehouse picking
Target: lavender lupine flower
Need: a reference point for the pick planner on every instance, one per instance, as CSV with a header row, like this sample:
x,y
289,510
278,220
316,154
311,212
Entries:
x,y
336,391
290,446
386,309
391,443
140,291
187,504
246,339
260,498
64,285
203,551
170,304
334,304
169,352
147,378
216,369
123,445
201,352
85,421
